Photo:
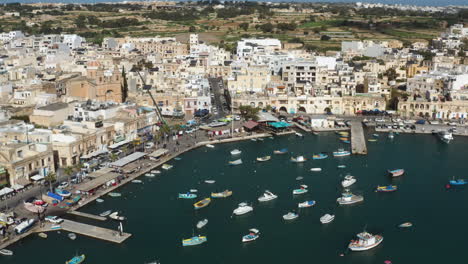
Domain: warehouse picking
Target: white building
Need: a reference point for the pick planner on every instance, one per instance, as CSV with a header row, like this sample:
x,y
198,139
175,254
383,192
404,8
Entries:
x,y
247,47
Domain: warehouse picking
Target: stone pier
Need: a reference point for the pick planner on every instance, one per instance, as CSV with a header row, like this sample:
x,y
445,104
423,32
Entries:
x,y
358,141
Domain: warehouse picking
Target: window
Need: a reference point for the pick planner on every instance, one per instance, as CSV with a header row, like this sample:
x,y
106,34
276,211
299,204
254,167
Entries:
x,y
19,154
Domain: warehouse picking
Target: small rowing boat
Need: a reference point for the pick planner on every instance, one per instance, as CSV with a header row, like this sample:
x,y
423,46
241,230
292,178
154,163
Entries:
x,y
224,194
290,216
209,146
203,203
99,200
6,252
316,169
137,181
76,260
396,172
42,235
187,196
319,156
114,194
389,188
341,166
266,158
301,190
327,218
298,159
236,152
281,151
405,225
72,236
210,181
193,241
235,162
202,223
105,213
167,166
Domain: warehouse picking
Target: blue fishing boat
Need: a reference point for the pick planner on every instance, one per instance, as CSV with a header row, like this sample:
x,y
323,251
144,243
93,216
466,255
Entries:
x,y
187,195
346,141
319,156
458,182
389,188
341,153
63,193
193,241
76,260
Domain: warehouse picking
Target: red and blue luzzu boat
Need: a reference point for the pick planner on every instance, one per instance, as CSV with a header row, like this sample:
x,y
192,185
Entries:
x,y
396,172
389,188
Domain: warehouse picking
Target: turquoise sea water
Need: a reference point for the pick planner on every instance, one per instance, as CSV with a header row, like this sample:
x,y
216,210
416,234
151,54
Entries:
x,y
158,220
413,2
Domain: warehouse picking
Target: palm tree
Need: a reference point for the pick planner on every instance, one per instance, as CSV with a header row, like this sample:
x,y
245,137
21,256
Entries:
x,y
113,157
68,171
51,177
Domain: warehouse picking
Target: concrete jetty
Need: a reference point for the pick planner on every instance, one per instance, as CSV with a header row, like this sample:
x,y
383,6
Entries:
x,y
90,216
92,231
358,141
302,127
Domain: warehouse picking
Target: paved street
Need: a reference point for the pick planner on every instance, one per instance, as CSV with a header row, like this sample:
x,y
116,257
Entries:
x,y
217,88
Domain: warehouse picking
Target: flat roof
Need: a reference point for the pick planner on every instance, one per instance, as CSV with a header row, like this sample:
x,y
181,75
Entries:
x,y
121,143
96,182
54,107
158,153
130,158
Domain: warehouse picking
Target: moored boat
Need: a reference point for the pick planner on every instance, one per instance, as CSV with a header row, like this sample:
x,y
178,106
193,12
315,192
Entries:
x,y
445,136
301,190
341,166
187,195
319,156
72,236
99,200
235,162
167,166
396,172
137,181
365,241
203,203
389,188
391,135
42,235
105,213
458,182
290,216
76,260
243,209
281,151
299,134
346,141
209,146
327,218
193,241
116,216
156,171
236,152
372,140
6,252
114,194
253,235
298,159
210,181
405,225
223,194
150,175
348,181
62,192
267,196
341,153
316,169
202,223
306,204
349,198
265,158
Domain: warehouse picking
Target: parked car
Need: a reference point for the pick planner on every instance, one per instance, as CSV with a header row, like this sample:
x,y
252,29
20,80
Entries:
x,y
149,145
63,185
54,219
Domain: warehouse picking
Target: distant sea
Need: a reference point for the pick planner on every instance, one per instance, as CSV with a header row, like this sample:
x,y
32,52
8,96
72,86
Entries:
x,y
402,2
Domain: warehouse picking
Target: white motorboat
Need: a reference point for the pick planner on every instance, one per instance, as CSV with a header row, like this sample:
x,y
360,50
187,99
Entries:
x,y
235,162
105,213
298,159
243,209
327,218
253,235
349,198
306,204
267,196
99,200
137,181
348,181
299,134
156,171
6,252
365,241
210,181
290,216
316,169
445,136
193,190
202,223
72,236
301,190
236,152
116,216
209,146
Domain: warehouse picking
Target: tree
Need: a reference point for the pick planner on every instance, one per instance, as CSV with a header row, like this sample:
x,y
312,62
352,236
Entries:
x,y
192,29
267,27
113,157
68,171
248,112
325,38
391,74
244,26
124,85
51,177
80,22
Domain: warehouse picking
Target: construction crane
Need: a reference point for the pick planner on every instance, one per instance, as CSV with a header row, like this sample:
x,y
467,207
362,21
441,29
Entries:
x,y
158,110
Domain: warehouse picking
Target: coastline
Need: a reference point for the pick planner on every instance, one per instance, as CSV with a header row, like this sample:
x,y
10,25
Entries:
x,y
154,165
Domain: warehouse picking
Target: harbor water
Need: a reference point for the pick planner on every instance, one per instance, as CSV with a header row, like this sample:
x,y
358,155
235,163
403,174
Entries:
x,y
158,220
